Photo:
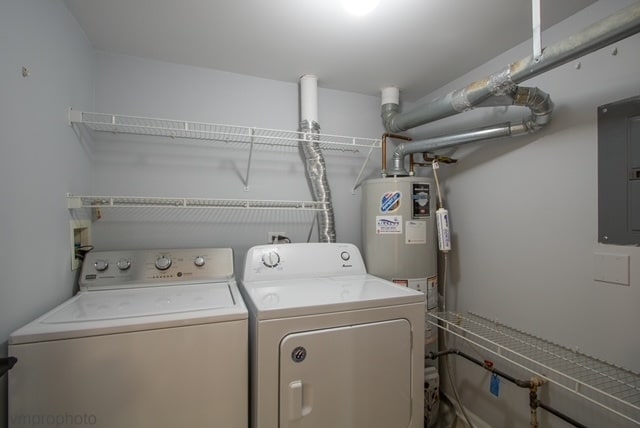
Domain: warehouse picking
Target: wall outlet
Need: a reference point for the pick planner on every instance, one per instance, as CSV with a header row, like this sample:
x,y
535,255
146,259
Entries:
x,y
80,237
277,237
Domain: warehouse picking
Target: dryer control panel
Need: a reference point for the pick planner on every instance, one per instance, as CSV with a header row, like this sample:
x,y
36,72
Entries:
x,y
135,268
282,261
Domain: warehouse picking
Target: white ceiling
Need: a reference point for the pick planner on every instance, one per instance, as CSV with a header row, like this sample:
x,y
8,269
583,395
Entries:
x,y
416,45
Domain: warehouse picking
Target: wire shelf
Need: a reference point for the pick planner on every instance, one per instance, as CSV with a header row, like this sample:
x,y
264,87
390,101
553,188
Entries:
x,y
613,388
75,201
120,124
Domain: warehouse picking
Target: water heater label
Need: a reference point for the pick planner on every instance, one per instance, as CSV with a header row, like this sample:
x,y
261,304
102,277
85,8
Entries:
x,y
388,224
390,201
416,232
420,196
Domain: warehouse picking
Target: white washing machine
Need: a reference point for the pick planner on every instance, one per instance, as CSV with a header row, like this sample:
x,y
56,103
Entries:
x,y
155,338
330,345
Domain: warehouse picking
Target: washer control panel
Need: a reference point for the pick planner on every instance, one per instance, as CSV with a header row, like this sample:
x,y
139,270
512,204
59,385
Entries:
x,y
135,268
281,261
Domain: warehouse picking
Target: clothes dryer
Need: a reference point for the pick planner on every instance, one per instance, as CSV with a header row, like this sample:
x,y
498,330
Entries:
x,y
330,345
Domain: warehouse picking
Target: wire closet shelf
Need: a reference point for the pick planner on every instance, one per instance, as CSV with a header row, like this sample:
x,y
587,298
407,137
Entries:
x,y
77,201
120,124
614,388
192,210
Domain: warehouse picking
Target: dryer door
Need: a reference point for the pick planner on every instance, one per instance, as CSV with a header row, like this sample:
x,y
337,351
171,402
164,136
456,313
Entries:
x,y
347,377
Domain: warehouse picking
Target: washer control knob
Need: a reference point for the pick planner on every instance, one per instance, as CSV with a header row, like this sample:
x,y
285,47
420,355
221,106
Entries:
x,y
199,261
345,255
101,265
163,263
123,264
271,259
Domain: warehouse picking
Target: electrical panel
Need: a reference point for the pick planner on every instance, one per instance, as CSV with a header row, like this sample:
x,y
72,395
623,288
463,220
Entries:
x,y
619,172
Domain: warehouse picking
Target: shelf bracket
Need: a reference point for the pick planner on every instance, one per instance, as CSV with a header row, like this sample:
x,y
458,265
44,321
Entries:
x,y
75,116
358,181
250,157
73,202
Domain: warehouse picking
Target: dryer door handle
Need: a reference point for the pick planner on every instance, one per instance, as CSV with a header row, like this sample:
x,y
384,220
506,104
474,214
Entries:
x,y
300,400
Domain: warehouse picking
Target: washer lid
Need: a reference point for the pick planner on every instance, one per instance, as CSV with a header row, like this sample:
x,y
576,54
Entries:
x,y
308,296
116,311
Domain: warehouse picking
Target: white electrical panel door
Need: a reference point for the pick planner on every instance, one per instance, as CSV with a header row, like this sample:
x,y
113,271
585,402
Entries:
x,y
347,377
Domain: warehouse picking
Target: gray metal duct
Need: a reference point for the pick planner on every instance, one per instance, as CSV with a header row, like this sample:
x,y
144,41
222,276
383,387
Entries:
x,y
313,158
485,92
538,102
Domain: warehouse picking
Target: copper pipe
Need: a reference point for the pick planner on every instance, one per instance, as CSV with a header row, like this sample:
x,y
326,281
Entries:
x,y
384,148
383,170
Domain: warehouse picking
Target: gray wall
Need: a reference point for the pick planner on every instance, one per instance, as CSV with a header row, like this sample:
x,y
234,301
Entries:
x,y
524,222
40,157
523,211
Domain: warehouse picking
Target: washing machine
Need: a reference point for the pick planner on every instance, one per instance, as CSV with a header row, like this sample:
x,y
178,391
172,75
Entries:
x,y
154,338
330,345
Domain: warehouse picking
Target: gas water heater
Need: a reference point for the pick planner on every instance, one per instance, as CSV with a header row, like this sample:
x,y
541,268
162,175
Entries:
x,y
399,235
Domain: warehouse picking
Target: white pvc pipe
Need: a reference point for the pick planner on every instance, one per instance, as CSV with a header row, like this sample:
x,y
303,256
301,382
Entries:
x,y
309,98
390,95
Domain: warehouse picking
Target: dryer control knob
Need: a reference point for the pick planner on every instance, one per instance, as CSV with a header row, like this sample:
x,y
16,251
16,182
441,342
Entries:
x,y
271,259
199,261
163,263
123,264
101,265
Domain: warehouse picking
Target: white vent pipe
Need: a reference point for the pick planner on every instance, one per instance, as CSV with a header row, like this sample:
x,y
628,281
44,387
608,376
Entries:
x,y
313,158
492,89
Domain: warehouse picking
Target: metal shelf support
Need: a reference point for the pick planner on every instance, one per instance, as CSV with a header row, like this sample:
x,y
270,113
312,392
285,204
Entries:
x,y
613,388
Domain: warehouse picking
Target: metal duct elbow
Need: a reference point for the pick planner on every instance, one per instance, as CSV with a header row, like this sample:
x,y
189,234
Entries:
x,y
390,105
389,111
541,106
